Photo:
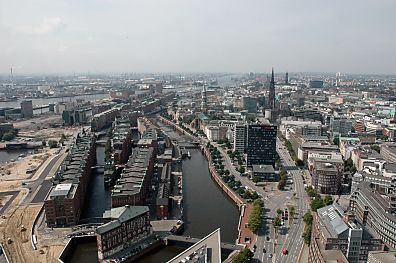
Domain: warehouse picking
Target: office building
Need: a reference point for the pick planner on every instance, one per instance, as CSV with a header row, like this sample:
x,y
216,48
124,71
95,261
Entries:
x,y
27,109
340,126
249,104
327,175
261,144
375,211
127,225
240,134
388,152
334,231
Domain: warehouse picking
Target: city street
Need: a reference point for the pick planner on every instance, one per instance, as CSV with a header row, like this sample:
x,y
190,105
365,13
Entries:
x,y
286,238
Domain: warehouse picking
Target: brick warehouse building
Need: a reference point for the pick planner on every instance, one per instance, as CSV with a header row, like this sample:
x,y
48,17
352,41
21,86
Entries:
x,y
128,225
66,198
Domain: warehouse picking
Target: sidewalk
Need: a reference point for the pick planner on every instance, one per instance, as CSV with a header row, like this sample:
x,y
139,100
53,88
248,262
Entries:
x,y
247,237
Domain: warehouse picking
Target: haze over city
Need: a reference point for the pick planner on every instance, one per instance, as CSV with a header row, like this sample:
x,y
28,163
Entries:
x,y
186,131
102,36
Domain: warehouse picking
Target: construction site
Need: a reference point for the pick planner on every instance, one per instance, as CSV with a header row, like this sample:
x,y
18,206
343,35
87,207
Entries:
x,y
24,183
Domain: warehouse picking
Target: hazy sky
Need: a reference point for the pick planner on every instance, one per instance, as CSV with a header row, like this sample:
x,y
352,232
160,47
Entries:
x,y
100,36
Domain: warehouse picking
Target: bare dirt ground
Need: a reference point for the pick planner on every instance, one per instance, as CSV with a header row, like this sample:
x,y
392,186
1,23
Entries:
x,y
20,250
17,170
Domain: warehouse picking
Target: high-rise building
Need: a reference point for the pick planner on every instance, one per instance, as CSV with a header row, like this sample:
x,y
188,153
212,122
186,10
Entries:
x,y
287,78
240,137
250,104
27,109
261,144
271,101
204,102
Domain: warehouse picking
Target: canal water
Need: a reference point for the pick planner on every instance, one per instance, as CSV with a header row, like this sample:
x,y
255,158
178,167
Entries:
x,y
6,156
98,198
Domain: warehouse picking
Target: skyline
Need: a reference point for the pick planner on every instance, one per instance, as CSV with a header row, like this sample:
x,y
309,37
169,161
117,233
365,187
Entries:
x,y
98,37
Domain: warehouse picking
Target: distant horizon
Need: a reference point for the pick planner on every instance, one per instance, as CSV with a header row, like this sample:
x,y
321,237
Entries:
x,y
104,36
80,74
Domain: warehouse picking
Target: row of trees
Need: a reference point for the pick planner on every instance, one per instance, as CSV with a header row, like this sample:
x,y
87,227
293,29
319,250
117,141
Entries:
x,y
254,222
307,218
317,202
283,180
293,154
236,185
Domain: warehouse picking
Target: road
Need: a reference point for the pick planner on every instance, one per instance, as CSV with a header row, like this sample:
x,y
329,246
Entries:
x,y
35,186
293,241
289,238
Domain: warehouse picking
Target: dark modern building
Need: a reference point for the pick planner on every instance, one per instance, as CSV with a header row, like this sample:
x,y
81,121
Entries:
x,y
261,144
316,84
27,109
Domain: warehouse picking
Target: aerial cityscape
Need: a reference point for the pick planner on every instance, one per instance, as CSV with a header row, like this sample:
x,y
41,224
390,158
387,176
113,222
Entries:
x,y
116,149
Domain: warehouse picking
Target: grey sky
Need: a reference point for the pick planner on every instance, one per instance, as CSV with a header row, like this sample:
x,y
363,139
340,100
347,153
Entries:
x,y
65,36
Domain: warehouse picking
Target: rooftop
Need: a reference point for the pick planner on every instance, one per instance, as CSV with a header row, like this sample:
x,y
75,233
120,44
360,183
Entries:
x,y
332,221
120,215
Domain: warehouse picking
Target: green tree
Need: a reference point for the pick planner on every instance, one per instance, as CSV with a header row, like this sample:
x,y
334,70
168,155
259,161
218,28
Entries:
x,y
43,143
376,148
8,136
279,211
245,256
108,150
276,223
308,218
256,179
328,200
336,141
317,203
52,143
62,139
